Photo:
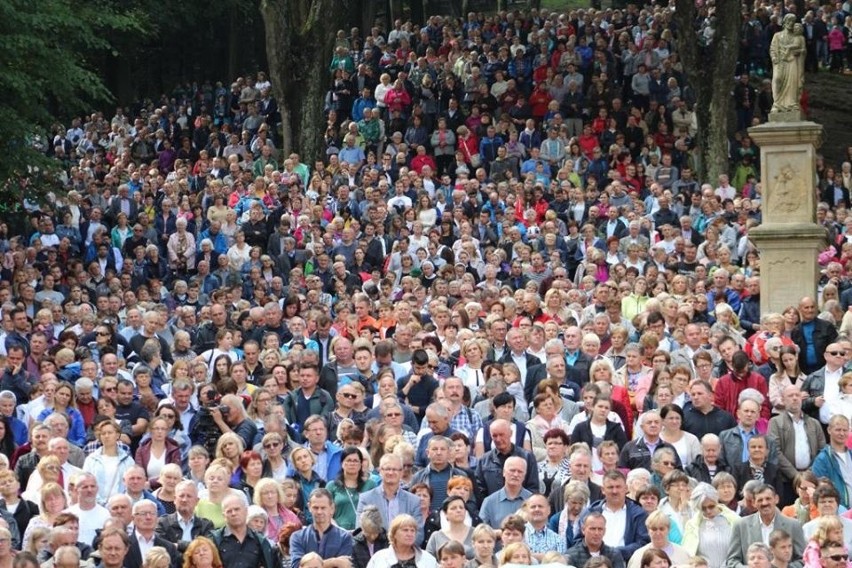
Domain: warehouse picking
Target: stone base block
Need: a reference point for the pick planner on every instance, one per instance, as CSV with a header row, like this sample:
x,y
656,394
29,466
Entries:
x,y
788,263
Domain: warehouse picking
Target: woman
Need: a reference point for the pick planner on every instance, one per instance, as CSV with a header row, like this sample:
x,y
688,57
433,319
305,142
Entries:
x,y
553,470
348,486
215,357
210,506
202,553
239,253
52,502
7,438
47,471
64,402
654,558
566,523
471,373
788,373
634,304
709,531
274,464
306,478
109,462
230,447
687,445
599,428
121,232
170,476
169,413
675,505
158,450
370,538
269,495
250,472
402,550
456,530
516,553
546,418
804,508
452,554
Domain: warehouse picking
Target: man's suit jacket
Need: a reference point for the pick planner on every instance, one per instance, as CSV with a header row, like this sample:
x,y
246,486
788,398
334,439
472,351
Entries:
x,y
535,372
747,531
115,209
641,240
409,504
134,554
781,429
169,528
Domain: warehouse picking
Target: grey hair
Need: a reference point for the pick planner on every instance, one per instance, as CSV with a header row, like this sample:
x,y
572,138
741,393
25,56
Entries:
x,y
371,518
141,503
751,394
759,547
9,395
703,492
438,409
83,383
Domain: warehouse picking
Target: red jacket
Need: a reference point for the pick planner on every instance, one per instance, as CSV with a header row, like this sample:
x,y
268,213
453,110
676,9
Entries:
x,y
728,390
143,454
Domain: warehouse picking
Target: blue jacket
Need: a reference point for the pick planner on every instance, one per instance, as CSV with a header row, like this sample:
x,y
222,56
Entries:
x,y
333,543
635,531
334,456
825,465
77,432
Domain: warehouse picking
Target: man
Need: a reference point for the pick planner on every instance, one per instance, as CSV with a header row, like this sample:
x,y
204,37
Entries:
x,y
390,498
709,462
439,470
15,378
127,409
758,526
336,542
637,453
537,535
735,440
833,555
120,508
417,389
822,384
113,547
240,546
798,437
236,420
182,394
135,480
183,525
92,516
26,464
462,418
438,420
144,538
491,468
517,354
741,377
594,529
510,497
827,501
151,324
834,461
700,415
813,336
342,366
308,399
580,469
326,455
626,519
60,447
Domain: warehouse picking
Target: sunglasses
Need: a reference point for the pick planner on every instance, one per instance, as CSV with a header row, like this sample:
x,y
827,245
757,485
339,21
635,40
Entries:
x,y
837,353
839,557
349,395
271,445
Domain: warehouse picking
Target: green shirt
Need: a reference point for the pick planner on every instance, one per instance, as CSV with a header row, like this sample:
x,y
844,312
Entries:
x,y
346,502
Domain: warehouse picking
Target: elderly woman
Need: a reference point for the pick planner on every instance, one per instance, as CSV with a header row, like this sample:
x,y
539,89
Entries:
x,y
663,461
759,555
403,549
658,525
370,538
675,504
708,532
566,523
269,496
181,248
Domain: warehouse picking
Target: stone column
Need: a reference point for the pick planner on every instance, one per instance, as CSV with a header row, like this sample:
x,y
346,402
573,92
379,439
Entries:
x,y
789,239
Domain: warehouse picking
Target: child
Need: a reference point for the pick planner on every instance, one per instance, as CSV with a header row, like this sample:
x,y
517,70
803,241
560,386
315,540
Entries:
x,y
781,544
311,560
829,529
516,553
451,555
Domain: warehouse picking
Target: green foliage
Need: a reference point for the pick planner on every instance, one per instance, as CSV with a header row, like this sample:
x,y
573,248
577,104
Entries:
x,y
46,75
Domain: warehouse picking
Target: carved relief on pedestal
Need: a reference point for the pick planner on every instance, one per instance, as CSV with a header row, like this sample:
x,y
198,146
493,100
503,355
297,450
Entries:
x,y
788,193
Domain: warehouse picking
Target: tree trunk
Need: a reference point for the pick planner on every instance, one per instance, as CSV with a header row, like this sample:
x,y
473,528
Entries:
x,y
299,42
709,74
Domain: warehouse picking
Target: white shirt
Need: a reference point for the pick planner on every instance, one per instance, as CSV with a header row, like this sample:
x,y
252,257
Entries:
x,y
616,524
90,520
803,449
831,390
186,527
766,530
521,362
144,544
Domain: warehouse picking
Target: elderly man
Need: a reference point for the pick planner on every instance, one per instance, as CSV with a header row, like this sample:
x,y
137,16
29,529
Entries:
x,y
236,420
510,497
813,336
113,547
438,420
184,525
240,546
757,527
537,535
822,385
144,538
490,469
637,453
735,440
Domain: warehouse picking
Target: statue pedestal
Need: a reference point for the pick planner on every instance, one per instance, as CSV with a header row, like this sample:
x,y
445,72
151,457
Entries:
x,y
789,239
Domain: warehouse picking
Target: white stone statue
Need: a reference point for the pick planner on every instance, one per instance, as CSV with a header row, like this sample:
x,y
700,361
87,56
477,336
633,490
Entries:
x,y
787,52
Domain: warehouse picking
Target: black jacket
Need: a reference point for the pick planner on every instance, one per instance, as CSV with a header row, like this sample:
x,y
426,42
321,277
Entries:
x,y
361,551
824,334
614,432
134,555
270,556
698,469
169,529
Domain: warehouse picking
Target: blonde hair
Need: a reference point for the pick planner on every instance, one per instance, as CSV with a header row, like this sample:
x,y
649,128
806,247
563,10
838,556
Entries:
x,y
824,526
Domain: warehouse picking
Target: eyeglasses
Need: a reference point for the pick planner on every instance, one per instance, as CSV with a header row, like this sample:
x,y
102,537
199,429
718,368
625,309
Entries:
x,y
839,557
270,445
393,415
103,333
837,353
349,395
668,463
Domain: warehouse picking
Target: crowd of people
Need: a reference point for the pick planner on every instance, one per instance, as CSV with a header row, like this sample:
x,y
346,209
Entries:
x,y
500,321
